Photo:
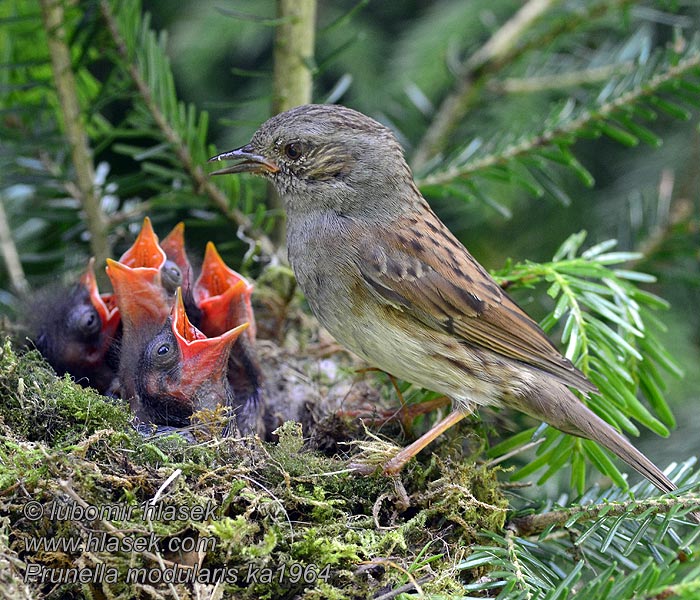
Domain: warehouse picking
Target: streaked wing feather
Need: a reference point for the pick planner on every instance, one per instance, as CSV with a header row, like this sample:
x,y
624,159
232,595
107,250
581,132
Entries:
x,y
460,298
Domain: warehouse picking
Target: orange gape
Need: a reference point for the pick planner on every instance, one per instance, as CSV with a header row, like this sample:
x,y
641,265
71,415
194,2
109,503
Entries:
x,y
179,351
223,295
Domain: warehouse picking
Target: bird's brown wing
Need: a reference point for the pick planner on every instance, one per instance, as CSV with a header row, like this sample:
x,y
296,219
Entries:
x,y
437,281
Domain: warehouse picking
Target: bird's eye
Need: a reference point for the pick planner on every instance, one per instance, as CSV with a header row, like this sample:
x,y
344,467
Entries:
x,y
163,349
89,322
293,150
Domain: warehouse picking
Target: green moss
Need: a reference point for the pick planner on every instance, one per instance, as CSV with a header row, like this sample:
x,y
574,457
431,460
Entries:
x,y
317,546
290,522
20,460
38,406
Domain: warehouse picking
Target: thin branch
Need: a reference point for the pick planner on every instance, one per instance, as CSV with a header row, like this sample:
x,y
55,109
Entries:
x,y
471,78
567,128
292,75
293,54
455,105
535,524
413,585
10,254
199,177
558,81
505,39
53,20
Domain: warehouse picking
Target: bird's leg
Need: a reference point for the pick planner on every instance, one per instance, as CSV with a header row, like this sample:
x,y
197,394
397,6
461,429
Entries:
x,y
396,464
377,418
412,411
406,414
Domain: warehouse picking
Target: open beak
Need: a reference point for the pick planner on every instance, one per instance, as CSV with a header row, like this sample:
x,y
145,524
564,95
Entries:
x,y
139,294
173,245
203,358
182,328
222,295
103,304
145,251
251,162
216,277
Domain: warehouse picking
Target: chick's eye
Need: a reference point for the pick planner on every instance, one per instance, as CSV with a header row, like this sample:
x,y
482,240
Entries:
x,y
163,349
88,322
293,151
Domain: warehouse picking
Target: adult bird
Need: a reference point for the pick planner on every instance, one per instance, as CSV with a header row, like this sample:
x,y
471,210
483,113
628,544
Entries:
x,y
390,282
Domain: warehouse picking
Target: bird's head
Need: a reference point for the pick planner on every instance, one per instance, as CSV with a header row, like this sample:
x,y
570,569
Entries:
x,y
181,371
322,156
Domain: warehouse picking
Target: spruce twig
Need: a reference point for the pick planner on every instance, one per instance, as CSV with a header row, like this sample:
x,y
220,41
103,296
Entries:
x,y
200,179
504,47
569,127
535,524
53,18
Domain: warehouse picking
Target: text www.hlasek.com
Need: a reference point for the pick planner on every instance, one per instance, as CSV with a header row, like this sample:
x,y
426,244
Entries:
x,y
102,542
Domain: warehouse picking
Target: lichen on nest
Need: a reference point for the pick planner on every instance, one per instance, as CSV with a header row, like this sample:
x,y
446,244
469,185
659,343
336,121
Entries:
x,y
274,520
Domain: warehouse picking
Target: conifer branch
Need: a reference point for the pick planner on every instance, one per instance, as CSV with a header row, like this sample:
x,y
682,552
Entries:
x,y
498,52
569,127
560,81
199,177
536,523
455,105
53,20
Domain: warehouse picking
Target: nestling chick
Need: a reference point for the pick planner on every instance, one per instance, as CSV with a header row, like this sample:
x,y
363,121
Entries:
x,y
224,301
182,371
77,330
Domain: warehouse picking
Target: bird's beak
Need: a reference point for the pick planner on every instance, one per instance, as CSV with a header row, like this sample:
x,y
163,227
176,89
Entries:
x,y
173,245
203,358
139,294
103,304
251,162
222,295
145,251
216,277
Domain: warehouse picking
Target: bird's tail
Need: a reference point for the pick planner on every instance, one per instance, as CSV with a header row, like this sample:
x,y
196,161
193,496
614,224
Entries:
x,y
555,404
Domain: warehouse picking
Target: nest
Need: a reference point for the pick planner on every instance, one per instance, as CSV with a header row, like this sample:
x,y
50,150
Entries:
x,y
93,509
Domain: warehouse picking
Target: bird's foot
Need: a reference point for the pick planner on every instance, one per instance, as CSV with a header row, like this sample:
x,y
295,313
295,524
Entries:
x,y
405,415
